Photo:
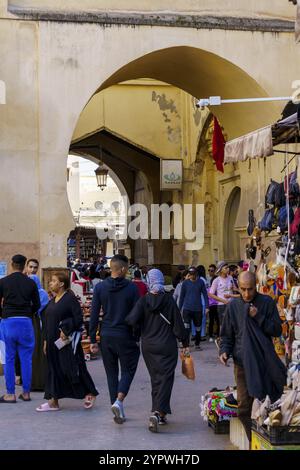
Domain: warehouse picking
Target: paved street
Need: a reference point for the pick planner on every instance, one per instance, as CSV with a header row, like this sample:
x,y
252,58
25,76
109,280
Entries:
x,y
76,428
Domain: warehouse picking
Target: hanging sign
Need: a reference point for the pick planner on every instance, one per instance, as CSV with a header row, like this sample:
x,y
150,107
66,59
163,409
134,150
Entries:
x,y
171,175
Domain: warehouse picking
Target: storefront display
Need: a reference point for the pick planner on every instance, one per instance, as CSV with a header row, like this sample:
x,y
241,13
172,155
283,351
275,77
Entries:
x,y
85,339
218,407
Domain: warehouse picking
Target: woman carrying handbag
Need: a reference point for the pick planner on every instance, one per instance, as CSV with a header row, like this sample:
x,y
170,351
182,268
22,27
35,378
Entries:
x,y
157,318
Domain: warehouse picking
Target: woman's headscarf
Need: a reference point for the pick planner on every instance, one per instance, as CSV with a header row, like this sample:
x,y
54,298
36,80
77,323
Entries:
x,y
44,298
156,281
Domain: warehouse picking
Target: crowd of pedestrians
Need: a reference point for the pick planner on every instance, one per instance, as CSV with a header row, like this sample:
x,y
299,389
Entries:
x,y
43,330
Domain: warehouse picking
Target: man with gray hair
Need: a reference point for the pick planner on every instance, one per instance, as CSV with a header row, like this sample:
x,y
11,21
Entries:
x,y
249,324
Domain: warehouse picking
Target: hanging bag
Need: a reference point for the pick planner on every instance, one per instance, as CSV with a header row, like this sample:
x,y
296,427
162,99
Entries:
x,y
282,218
270,194
267,222
251,222
187,367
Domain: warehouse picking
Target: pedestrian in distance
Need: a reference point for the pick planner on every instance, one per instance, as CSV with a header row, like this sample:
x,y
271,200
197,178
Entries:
x,y
222,290
32,266
158,318
67,375
137,280
193,294
116,295
38,358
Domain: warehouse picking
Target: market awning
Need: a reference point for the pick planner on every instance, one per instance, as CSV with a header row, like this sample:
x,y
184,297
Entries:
x,y
260,143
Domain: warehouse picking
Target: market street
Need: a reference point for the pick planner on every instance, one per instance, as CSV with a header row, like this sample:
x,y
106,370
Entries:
x,y
76,428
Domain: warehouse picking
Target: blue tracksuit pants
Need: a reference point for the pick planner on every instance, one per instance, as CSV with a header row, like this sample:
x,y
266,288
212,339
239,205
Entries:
x,y
18,336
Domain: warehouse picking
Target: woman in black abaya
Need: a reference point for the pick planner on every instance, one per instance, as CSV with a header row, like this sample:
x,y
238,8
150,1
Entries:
x,y
67,375
158,318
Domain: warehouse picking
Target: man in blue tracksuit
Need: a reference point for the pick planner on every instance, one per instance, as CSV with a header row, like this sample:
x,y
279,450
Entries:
x,y
117,296
193,291
21,301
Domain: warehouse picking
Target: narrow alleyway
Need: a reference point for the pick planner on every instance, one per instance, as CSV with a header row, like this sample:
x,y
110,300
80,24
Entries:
x,y
76,428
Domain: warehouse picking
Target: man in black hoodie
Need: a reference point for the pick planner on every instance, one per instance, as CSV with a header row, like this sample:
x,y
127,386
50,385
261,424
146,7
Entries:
x,y
117,296
20,302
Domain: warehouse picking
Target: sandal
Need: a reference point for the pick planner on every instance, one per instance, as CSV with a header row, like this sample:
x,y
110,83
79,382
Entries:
x,y
2,400
89,401
21,397
47,407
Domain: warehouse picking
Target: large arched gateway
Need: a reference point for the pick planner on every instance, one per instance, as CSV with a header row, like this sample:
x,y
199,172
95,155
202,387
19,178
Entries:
x,y
65,62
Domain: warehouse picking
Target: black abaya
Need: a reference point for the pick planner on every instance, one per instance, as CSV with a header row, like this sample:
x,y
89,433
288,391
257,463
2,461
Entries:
x,y
65,382
159,345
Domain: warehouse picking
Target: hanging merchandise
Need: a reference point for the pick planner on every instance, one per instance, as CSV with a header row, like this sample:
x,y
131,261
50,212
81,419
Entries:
x,y
268,222
283,218
251,222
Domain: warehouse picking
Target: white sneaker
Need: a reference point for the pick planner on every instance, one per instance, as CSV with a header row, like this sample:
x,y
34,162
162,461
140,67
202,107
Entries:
x,y
118,411
211,340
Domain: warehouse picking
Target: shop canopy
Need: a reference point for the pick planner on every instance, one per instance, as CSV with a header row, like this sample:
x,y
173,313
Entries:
x,y
260,143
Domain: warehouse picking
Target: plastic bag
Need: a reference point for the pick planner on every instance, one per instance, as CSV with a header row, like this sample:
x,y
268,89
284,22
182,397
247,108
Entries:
x,y
188,368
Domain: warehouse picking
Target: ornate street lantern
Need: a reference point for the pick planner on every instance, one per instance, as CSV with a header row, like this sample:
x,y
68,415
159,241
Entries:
x,y
101,173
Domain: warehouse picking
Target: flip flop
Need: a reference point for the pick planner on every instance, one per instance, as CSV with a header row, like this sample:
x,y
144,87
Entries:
x,y
21,397
2,400
89,402
46,407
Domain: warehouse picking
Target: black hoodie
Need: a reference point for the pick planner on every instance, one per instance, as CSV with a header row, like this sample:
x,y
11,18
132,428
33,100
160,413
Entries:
x,y
117,297
148,315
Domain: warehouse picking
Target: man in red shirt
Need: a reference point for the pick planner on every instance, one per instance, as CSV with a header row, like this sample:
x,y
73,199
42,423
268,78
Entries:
x,y
137,279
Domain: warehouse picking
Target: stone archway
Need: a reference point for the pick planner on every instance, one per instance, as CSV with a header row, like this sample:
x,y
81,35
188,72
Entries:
x,y
35,144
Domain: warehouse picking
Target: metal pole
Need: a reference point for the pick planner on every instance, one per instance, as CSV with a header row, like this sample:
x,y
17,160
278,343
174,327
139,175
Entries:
x,y
216,100
255,100
287,192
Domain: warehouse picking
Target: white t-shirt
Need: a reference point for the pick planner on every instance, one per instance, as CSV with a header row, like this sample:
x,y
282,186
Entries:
x,y
221,286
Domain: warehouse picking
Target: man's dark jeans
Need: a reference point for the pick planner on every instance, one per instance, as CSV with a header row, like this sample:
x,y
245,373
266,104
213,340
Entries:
x,y
119,350
196,317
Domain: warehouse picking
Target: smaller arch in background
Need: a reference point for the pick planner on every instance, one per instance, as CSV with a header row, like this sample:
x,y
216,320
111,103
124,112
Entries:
x,y
231,240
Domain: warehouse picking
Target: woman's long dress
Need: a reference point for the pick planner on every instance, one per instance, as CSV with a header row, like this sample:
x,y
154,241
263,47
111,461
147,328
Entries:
x,y
159,345
67,374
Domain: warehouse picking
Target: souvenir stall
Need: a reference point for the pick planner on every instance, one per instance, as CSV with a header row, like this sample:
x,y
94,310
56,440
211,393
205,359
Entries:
x,y
278,275
218,407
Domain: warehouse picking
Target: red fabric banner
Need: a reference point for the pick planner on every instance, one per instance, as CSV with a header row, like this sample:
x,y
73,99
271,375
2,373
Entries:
x,y
218,146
